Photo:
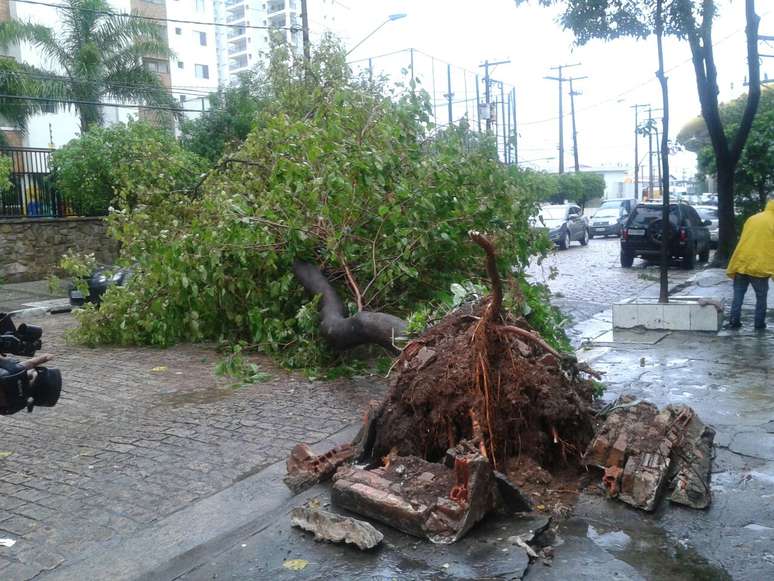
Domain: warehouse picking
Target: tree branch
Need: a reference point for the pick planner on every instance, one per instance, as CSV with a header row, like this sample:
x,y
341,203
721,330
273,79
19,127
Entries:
x,y
754,95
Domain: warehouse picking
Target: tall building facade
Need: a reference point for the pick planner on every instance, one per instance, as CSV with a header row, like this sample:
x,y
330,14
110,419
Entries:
x,y
251,24
212,41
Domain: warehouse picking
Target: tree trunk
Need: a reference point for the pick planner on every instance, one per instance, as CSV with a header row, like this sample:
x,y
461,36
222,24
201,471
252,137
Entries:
x,y
343,332
726,217
726,155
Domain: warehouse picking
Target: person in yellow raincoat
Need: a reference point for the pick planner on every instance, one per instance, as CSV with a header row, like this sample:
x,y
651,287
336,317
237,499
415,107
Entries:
x,y
752,264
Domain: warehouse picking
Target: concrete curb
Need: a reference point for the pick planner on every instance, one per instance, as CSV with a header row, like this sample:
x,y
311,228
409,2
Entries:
x,y
183,540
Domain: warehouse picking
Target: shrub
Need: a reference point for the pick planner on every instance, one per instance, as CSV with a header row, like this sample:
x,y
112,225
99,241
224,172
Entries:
x,y
135,159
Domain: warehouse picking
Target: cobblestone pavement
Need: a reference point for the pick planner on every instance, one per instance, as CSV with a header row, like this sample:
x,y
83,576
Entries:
x,y
591,278
139,434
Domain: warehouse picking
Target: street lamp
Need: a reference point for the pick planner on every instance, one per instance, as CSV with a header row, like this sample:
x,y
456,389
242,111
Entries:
x,y
390,18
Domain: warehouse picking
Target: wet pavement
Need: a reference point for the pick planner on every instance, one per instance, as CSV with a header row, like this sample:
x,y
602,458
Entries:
x,y
151,463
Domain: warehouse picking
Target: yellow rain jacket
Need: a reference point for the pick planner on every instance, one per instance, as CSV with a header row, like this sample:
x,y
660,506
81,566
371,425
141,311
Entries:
x,y
754,255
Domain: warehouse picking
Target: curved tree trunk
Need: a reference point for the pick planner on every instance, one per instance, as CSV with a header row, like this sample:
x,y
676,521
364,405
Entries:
x,y
344,332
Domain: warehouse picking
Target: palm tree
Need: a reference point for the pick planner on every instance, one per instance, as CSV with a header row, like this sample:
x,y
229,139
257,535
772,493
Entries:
x,y
100,56
17,82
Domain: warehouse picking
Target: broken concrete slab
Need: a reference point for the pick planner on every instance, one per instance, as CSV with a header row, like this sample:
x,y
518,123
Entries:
x,y
692,465
329,526
643,451
512,499
421,498
305,468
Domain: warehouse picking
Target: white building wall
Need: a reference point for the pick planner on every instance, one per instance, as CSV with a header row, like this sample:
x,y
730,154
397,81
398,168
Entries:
x,y
194,70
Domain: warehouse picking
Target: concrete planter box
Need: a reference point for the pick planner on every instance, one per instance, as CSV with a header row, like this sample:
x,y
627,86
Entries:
x,y
680,314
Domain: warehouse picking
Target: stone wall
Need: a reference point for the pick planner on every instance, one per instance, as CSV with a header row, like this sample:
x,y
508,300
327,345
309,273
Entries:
x,y
31,248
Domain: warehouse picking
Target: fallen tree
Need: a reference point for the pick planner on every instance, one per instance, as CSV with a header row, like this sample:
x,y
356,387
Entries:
x,y
342,186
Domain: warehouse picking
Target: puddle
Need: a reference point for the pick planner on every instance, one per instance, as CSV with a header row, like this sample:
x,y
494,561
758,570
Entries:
x,y
613,540
649,550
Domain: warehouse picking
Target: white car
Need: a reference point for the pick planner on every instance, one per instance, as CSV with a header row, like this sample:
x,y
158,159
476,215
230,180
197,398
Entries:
x,y
710,213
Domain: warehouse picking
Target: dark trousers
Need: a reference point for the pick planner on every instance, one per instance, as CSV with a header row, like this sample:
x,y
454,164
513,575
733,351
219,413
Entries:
x,y
761,288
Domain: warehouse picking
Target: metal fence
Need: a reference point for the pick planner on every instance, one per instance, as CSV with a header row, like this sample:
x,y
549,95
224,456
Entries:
x,y
32,193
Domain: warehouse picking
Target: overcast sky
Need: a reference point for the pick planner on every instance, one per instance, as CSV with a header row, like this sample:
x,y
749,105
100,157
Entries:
x,y
621,73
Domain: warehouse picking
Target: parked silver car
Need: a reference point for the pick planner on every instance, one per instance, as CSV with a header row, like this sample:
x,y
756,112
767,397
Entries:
x,y
564,223
710,213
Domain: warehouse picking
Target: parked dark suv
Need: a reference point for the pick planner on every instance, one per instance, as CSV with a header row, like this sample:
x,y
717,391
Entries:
x,y
642,234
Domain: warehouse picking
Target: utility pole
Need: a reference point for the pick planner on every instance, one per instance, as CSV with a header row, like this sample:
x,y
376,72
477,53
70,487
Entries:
x,y
502,116
487,92
515,131
305,32
636,149
449,94
561,80
508,131
650,153
574,130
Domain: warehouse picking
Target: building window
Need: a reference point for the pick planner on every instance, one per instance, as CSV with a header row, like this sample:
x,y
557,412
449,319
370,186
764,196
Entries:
x,y
182,99
179,64
161,67
199,5
202,38
178,31
202,71
276,6
237,63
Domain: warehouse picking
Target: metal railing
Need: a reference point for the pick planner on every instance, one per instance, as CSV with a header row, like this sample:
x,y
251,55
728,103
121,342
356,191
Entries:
x,y
32,193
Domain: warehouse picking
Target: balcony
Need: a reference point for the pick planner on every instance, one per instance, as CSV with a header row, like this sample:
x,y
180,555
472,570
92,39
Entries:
x,y
277,21
237,46
235,33
235,15
237,63
275,6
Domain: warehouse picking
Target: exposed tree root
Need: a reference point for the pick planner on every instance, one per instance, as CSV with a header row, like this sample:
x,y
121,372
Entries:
x,y
486,376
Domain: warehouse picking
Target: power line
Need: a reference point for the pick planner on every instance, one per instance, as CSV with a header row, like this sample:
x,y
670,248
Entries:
x,y
97,103
157,19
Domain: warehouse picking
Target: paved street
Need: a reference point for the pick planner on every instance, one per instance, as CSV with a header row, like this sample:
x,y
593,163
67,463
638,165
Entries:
x,y
145,440
589,279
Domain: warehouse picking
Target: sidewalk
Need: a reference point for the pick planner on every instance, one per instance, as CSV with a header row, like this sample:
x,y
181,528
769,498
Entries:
x,y
24,295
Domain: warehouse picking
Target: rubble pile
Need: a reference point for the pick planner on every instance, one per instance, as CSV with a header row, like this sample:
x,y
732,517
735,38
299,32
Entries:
x,y
645,452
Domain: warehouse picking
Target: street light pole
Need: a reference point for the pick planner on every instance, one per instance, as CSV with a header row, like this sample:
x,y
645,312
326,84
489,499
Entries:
x,y
636,149
390,18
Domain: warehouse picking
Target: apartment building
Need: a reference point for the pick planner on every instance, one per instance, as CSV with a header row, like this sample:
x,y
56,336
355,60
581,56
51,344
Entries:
x,y
194,70
251,22
212,41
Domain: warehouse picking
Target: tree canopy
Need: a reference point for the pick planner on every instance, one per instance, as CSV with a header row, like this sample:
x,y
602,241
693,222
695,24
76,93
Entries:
x,y
98,55
127,160
755,171
227,122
